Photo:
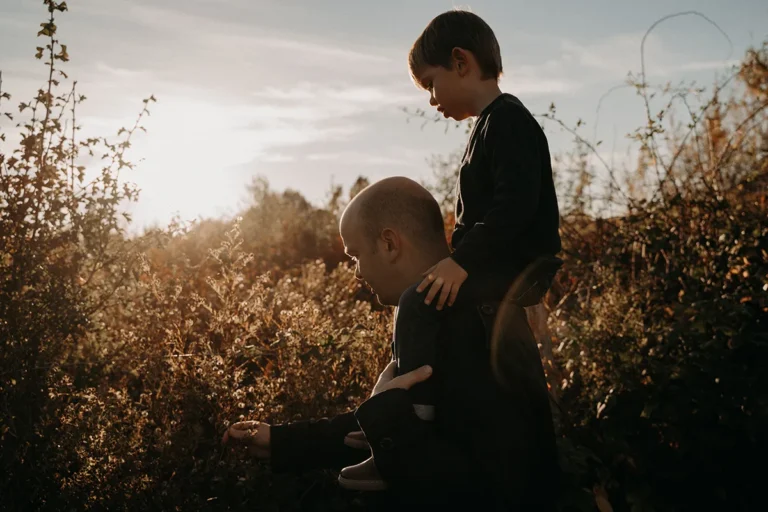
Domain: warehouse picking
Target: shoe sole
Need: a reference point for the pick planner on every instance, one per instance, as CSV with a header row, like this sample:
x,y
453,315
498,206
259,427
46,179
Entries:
x,y
362,485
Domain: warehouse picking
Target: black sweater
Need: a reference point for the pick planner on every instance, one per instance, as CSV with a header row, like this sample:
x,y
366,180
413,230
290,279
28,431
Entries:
x,y
506,206
489,448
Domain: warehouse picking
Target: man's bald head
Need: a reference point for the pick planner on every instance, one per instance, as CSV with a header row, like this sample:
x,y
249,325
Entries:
x,y
401,204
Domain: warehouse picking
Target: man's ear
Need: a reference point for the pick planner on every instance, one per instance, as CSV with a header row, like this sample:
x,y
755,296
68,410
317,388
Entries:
x,y
392,243
461,61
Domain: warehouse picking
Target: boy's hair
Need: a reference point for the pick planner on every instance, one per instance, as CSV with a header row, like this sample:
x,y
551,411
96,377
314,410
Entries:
x,y
453,29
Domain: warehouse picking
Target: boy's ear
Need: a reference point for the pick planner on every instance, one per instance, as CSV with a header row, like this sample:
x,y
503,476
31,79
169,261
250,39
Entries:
x,y
460,58
392,243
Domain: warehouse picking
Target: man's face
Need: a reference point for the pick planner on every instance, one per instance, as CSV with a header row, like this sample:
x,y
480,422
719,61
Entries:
x,y
446,90
371,262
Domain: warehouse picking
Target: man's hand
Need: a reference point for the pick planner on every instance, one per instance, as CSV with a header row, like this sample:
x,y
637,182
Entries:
x,y
446,275
253,434
387,379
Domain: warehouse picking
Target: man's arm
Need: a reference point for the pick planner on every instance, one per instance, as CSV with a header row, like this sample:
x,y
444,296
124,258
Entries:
x,y
313,444
305,445
513,153
484,443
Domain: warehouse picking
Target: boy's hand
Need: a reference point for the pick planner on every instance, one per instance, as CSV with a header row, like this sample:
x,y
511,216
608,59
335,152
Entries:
x,y
446,275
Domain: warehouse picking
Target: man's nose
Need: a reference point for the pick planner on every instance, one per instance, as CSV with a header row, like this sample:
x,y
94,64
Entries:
x,y
432,100
357,274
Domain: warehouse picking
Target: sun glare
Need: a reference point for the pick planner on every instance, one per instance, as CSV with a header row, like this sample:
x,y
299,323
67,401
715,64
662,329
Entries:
x,y
190,160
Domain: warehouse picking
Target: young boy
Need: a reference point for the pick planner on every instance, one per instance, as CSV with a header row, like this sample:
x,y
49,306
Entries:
x,y
506,235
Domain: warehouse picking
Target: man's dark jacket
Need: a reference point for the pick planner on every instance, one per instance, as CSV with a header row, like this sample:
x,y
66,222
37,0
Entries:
x,y
491,446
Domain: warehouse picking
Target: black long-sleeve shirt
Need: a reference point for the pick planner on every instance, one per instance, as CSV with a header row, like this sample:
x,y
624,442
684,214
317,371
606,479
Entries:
x,y
506,205
491,447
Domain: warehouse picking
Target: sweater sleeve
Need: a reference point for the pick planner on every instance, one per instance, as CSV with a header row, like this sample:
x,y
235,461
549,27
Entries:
x,y
513,154
314,444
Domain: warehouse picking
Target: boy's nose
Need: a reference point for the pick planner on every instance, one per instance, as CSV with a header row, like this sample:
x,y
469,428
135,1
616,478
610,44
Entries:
x,y
432,100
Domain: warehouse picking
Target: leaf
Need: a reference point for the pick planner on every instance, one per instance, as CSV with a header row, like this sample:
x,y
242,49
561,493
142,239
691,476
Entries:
x,y
601,499
40,50
48,30
63,55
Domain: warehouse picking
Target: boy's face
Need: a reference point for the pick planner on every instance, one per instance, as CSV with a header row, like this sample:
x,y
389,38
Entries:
x,y
447,91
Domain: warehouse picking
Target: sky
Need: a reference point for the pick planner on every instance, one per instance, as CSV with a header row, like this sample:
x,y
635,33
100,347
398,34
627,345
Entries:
x,y
309,93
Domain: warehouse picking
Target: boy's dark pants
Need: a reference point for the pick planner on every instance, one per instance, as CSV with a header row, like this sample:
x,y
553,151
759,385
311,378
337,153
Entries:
x,y
417,324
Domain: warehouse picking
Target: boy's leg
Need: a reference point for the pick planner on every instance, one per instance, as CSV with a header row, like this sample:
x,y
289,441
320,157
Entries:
x,y
416,332
526,287
480,288
533,283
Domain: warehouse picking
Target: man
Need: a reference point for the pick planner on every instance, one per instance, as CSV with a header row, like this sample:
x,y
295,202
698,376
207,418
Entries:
x,y
491,445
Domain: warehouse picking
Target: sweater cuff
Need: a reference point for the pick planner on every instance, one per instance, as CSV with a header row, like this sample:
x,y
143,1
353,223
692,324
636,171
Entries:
x,y
288,450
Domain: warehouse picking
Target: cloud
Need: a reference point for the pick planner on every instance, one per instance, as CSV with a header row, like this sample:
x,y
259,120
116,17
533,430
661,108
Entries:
x,y
119,72
530,81
198,154
240,35
708,65
278,158
620,54
318,101
13,23
362,159
616,53
357,94
314,49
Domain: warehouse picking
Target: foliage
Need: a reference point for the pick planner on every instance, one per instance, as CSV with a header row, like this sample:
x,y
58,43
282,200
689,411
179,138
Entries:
x,y
660,316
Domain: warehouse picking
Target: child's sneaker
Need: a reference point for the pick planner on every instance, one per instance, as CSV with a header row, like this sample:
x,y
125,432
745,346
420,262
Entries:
x,y
362,477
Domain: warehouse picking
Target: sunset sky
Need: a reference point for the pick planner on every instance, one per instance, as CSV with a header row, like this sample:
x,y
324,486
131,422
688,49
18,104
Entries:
x,y
306,93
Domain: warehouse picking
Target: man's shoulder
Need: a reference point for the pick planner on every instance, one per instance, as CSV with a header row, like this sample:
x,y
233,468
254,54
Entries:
x,y
459,317
412,307
413,300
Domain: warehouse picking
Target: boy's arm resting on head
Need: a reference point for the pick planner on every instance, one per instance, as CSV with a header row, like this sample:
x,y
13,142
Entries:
x,y
313,444
514,156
